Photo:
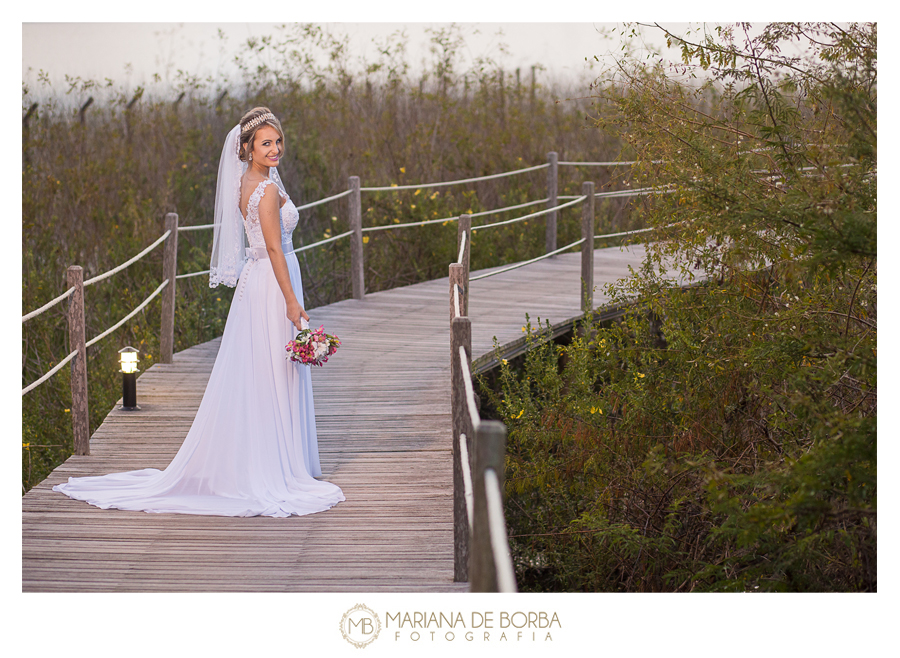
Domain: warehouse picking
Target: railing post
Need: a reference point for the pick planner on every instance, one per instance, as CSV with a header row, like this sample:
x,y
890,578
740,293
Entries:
x,y
465,226
587,248
170,266
357,275
550,241
460,334
80,418
490,452
457,278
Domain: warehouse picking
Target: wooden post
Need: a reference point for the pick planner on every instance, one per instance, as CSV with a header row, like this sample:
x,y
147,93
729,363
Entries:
x,y
25,158
550,238
465,226
128,107
587,248
502,101
170,266
80,419
490,452
460,335
357,276
84,108
457,278
533,84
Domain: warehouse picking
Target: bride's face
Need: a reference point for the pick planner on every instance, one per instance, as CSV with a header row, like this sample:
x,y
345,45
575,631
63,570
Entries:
x,y
268,147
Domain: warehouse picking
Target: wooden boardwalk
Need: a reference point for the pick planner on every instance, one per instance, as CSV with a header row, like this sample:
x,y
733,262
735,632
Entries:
x,y
383,418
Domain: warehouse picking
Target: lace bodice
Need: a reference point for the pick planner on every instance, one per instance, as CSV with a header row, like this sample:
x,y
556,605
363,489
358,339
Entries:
x,y
288,216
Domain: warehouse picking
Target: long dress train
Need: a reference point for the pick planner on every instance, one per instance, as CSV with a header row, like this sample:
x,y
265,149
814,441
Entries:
x,y
252,448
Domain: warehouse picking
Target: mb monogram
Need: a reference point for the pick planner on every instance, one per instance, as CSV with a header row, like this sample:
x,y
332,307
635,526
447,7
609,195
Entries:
x,y
361,625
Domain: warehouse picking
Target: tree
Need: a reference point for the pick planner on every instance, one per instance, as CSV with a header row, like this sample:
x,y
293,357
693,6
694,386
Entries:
x,y
722,436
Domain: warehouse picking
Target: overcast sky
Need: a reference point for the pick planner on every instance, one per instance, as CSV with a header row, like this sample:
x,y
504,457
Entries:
x,y
130,53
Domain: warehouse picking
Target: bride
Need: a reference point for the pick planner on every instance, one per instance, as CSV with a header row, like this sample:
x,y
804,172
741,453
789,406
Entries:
x,y
252,448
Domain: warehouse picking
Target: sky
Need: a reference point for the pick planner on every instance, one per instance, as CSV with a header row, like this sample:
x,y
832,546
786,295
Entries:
x,y
130,53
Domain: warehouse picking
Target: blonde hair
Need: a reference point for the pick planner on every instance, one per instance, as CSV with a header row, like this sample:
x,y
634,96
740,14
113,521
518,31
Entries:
x,y
251,122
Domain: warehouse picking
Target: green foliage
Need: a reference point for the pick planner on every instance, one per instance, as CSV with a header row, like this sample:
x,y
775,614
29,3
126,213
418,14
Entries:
x,y
721,436
95,193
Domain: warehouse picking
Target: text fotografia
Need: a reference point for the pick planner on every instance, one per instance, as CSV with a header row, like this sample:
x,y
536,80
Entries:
x,y
479,626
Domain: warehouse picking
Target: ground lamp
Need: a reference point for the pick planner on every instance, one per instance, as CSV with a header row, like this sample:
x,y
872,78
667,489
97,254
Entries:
x,y
128,360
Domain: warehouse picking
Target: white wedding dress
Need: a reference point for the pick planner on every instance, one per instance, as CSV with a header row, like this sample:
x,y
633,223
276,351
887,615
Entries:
x,y
252,448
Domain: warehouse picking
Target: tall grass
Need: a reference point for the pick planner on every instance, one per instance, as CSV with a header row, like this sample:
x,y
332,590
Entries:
x,y
95,191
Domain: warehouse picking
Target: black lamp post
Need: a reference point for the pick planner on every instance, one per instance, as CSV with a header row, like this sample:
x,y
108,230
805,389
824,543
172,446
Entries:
x,y
128,360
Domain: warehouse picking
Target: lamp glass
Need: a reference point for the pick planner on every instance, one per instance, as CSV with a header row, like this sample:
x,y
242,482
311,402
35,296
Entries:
x,y
128,359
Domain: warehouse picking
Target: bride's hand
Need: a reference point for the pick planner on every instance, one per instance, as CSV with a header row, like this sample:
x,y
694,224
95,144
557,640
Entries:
x,y
295,312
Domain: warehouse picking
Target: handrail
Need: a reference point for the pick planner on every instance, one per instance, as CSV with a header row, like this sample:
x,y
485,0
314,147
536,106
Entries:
x,y
307,206
46,306
455,218
59,365
47,376
635,192
527,262
639,230
321,242
295,251
506,574
609,164
462,248
529,216
467,478
100,277
395,188
456,301
187,276
129,316
121,267
474,416
195,228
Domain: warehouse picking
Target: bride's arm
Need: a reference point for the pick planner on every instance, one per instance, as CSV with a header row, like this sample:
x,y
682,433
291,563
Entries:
x,y
271,230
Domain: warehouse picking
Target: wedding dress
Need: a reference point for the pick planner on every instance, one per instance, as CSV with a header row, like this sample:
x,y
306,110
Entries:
x,y
252,448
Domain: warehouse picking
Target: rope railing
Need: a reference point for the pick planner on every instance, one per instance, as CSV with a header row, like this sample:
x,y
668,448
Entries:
x,y
467,478
618,193
425,222
639,230
48,305
188,276
610,164
506,574
462,247
131,261
474,416
129,316
527,262
307,206
295,251
321,242
529,216
397,188
96,279
49,374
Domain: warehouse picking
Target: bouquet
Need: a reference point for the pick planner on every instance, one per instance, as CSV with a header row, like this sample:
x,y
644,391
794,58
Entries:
x,y
312,346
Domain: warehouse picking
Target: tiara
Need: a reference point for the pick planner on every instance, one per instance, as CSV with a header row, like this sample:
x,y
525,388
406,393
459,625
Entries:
x,y
255,121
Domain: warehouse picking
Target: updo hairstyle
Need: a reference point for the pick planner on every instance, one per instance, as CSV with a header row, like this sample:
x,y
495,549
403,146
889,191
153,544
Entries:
x,y
254,119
